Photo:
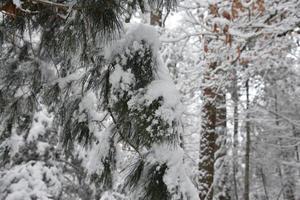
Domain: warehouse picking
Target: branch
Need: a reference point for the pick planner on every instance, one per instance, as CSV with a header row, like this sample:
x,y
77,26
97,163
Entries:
x,y
59,5
281,116
127,141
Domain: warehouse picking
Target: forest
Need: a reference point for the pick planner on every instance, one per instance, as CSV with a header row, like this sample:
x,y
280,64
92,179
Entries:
x,y
149,100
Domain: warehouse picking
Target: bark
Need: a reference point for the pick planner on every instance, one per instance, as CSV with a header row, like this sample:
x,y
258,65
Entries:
x,y
208,137
296,147
235,98
213,151
213,125
247,153
221,177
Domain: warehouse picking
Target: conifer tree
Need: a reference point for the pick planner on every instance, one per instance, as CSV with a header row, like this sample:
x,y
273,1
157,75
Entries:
x,y
99,85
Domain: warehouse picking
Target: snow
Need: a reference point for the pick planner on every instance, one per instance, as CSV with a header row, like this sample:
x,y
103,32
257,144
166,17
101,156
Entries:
x,y
99,150
15,142
69,78
48,71
23,92
165,89
134,33
41,121
25,181
170,109
89,105
162,86
42,147
176,175
264,35
107,196
17,3
121,79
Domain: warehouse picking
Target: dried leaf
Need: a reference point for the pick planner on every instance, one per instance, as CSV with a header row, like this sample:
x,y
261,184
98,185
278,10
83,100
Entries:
x,y
238,51
228,39
205,48
244,61
225,29
9,9
213,9
215,28
261,6
234,13
226,15
238,5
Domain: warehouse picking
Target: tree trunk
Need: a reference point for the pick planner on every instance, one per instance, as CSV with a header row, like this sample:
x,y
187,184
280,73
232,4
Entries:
x,y
235,98
208,137
296,134
247,153
221,166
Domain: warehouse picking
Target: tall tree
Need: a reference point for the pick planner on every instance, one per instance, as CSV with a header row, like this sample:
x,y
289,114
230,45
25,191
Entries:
x,y
213,131
97,92
247,151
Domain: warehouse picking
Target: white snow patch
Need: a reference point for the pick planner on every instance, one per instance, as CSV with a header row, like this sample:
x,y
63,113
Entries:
x,y
120,78
135,33
15,142
98,151
163,88
41,121
17,3
176,175
33,179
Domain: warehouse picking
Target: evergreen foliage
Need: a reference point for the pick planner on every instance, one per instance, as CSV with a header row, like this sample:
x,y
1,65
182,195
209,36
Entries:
x,y
53,58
